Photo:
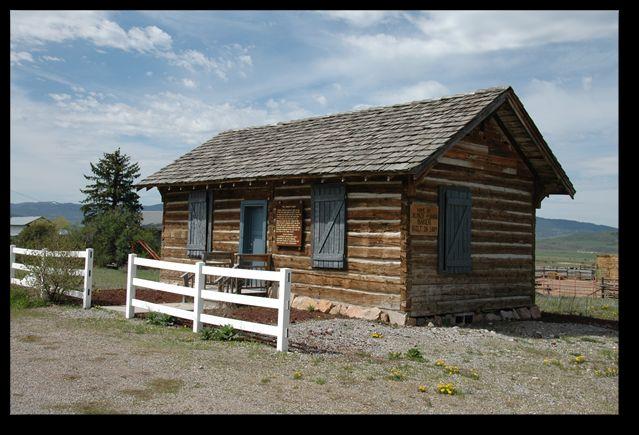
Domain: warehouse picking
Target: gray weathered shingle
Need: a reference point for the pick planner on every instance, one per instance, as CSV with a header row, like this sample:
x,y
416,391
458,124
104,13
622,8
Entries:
x,y
383,139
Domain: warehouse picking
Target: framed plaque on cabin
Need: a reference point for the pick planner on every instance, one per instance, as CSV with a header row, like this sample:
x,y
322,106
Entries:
x,y
423,219
288,225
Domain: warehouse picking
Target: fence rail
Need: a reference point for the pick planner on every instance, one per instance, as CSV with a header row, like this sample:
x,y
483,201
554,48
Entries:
x,y
586,274
199,295
30,280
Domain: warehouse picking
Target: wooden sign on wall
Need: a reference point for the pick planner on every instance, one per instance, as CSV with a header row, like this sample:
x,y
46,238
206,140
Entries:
x,y
288,225
423,219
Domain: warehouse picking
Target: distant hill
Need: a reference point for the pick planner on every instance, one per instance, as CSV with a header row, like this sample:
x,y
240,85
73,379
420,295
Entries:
x,y
592,242
49,210
547,228
52,210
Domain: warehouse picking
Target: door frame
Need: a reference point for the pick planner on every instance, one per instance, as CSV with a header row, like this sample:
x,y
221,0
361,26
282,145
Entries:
x,y
253,203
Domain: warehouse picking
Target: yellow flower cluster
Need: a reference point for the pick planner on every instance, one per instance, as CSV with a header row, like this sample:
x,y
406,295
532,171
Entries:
x,y
422,388
376,335
609,371
579,359
448,388
297,375
474,374
440,363
452,370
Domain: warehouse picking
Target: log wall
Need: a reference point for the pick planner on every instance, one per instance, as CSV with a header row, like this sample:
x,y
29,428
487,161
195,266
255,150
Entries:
x,y
502,226
375,269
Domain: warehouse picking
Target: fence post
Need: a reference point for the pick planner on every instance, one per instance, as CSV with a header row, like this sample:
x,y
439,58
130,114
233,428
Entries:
x,y
88,279
198,285
284,309
603,288
12,259
130,288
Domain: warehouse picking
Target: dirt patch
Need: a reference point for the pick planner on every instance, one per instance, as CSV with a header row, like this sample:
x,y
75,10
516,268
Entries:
x,y
584,320
117,296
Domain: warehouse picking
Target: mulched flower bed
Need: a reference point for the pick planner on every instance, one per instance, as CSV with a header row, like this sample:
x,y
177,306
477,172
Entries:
x,y
267,316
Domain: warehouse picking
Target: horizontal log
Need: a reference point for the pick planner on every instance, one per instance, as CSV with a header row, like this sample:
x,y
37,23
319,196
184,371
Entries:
x,y
471,305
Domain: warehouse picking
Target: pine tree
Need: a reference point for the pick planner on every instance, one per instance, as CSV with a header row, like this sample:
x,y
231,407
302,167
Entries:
x,y
111,187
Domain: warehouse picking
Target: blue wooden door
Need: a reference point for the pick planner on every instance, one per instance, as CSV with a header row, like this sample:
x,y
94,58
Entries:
x,y
253,227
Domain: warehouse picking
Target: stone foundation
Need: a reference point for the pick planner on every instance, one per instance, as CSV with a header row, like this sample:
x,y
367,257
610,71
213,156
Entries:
x,y
399,318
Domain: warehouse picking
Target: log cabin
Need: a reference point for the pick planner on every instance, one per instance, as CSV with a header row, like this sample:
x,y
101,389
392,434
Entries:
x,y
419,209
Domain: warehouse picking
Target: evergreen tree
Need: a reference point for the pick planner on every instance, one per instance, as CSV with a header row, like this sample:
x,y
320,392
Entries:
x,y
111,187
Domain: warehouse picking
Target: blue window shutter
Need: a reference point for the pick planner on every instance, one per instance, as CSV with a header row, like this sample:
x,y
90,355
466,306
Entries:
x,y
199,223
329,225
455,230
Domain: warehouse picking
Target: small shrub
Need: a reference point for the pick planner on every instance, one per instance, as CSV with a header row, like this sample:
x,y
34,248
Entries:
x,y
377,335
440,363
223,333
552,361
394,355
310,308
297,375
320,381
265,380
446,388
396,374
414,354
422,388
160,319
607,372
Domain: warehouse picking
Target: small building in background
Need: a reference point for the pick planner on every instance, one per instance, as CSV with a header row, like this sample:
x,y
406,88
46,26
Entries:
x,y
19,223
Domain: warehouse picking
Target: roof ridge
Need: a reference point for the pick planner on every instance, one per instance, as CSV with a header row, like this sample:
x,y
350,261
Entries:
x,y
371,109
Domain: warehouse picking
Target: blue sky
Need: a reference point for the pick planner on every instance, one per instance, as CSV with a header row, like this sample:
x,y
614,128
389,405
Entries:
x,y
157,84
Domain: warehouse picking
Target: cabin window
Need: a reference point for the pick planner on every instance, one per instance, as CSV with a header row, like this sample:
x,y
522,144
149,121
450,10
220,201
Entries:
x,y
328,221
200,220
454,230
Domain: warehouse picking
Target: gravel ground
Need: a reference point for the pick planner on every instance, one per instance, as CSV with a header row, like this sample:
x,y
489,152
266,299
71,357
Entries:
x,y
69,360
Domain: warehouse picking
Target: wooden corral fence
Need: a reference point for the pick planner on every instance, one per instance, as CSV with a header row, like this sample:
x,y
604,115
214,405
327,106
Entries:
x,y
554,284
581,273
200,294
29,279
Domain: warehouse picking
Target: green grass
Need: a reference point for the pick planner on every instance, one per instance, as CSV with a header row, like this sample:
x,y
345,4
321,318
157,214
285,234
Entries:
x,y
590,307
20,298
544,257
116,278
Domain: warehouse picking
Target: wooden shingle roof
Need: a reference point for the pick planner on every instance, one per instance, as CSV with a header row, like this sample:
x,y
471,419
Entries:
x,y
390,139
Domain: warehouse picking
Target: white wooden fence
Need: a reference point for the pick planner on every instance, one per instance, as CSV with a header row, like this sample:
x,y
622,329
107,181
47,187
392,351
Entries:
x,y
199,295
29,280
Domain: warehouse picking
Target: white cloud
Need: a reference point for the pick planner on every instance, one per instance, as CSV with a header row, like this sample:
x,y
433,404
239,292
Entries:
x,y
149,73
471,32
35,28
52,59
320,99
38,27
586,83
189,83
571,115
600,166
360,18
420,91
61,137
17,57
